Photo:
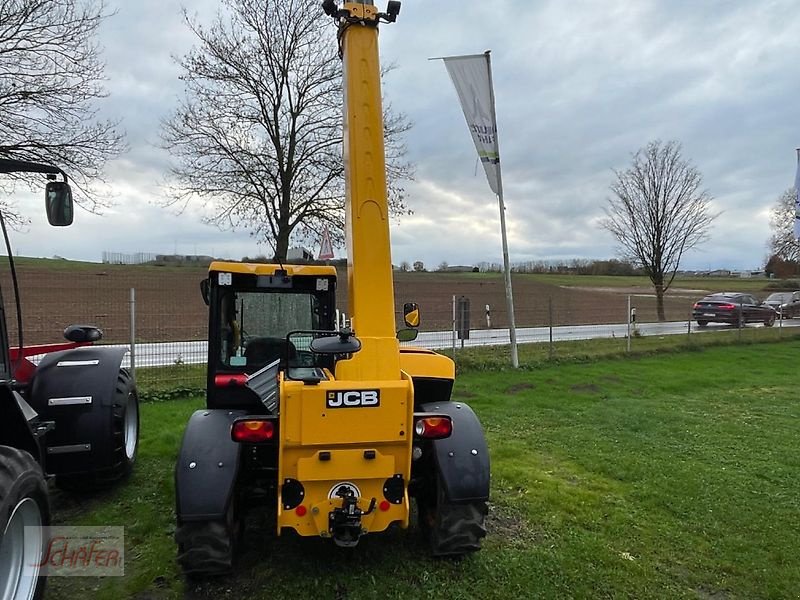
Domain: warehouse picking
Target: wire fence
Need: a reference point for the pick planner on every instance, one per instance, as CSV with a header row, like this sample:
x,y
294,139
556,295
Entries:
x,y
160,314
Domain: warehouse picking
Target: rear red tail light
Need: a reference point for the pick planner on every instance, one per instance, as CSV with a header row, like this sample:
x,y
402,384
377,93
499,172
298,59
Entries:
x,y
728,306
696,305
433,427
252,431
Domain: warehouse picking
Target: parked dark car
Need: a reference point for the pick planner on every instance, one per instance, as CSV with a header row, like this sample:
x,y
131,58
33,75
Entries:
x,y
786,304
733,308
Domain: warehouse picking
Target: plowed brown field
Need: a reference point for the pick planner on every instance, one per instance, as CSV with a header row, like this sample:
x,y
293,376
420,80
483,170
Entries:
x,y
169,306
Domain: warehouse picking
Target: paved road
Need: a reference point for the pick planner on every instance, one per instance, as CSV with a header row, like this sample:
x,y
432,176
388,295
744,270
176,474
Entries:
x,y
169,353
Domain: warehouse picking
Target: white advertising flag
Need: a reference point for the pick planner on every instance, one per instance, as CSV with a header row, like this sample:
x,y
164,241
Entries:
x,y
472,77
797,199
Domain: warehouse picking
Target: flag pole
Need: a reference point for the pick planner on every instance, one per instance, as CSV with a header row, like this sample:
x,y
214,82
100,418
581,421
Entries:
x,y
512,328
797,199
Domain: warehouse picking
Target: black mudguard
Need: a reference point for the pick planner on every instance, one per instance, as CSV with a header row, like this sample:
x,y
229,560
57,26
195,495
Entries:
x,y
208,463
463,458
76,389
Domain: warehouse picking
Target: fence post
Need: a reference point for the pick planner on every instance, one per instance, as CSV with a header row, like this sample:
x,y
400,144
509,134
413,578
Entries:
x,y
550,320
629,324
689,328
740,322
454,327
133,334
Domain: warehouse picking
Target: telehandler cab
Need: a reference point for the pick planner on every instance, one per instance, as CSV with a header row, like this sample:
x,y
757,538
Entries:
x,y
74,416
337,427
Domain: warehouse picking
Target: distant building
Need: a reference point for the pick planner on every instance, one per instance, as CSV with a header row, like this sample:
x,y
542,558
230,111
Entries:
x,y
299,253
184,258
458,269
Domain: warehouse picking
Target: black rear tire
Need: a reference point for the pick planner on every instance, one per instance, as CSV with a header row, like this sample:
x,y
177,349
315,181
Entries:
x,y
21,480
769,321
702,323
452,529
124,431
208,548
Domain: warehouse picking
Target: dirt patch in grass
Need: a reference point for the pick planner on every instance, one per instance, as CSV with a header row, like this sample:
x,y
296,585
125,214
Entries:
x,y
588,388
506,526
708,593
519,387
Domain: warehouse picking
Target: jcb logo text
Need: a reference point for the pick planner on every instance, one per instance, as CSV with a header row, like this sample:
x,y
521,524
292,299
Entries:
x,y
353,398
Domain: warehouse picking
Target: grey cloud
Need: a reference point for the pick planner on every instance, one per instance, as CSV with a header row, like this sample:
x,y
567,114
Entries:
x,y
579,86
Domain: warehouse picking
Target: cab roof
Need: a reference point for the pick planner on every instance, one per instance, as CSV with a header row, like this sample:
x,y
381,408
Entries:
x,y
269,269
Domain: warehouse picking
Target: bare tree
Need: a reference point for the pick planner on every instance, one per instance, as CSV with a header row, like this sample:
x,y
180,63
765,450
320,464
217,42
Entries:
x,y
782,242
659,212
50,77
258,138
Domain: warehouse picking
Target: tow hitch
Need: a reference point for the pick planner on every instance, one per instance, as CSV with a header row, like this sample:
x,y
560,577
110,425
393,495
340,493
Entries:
x,y
344,523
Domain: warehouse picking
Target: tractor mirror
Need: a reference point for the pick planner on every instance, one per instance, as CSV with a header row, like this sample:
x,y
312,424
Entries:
x,y
411,314
83,333
204,290
407,335
58,203
342,343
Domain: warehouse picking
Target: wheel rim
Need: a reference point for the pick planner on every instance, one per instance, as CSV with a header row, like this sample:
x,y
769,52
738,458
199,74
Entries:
x,y
131,426
21,552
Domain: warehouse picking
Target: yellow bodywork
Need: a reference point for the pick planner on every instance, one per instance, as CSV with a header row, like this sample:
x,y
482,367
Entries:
x,y
421,362
308,426
269,269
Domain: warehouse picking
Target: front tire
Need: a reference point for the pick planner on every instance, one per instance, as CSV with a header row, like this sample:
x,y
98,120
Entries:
x,y
23,502
769,321
451,529
702,323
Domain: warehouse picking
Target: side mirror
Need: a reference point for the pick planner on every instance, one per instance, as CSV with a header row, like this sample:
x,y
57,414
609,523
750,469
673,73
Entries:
x,y
407,335
411,314
83,333
204,290
58,203
342,343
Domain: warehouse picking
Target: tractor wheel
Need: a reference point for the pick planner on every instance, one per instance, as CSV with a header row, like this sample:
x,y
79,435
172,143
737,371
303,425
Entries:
x,y
124,431
208,548
23,502
452,529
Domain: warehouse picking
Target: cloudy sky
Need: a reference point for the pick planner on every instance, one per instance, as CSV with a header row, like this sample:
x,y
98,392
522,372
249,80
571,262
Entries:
x,y
580,86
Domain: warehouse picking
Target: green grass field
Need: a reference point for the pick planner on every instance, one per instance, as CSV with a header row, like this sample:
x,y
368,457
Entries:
x,y
668,476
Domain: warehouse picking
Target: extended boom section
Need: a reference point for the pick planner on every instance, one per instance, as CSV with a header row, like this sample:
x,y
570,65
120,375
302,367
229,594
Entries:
x,y
369,261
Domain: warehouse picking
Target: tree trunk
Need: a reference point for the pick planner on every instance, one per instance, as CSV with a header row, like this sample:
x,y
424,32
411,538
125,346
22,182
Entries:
x,y
282,244
660,301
